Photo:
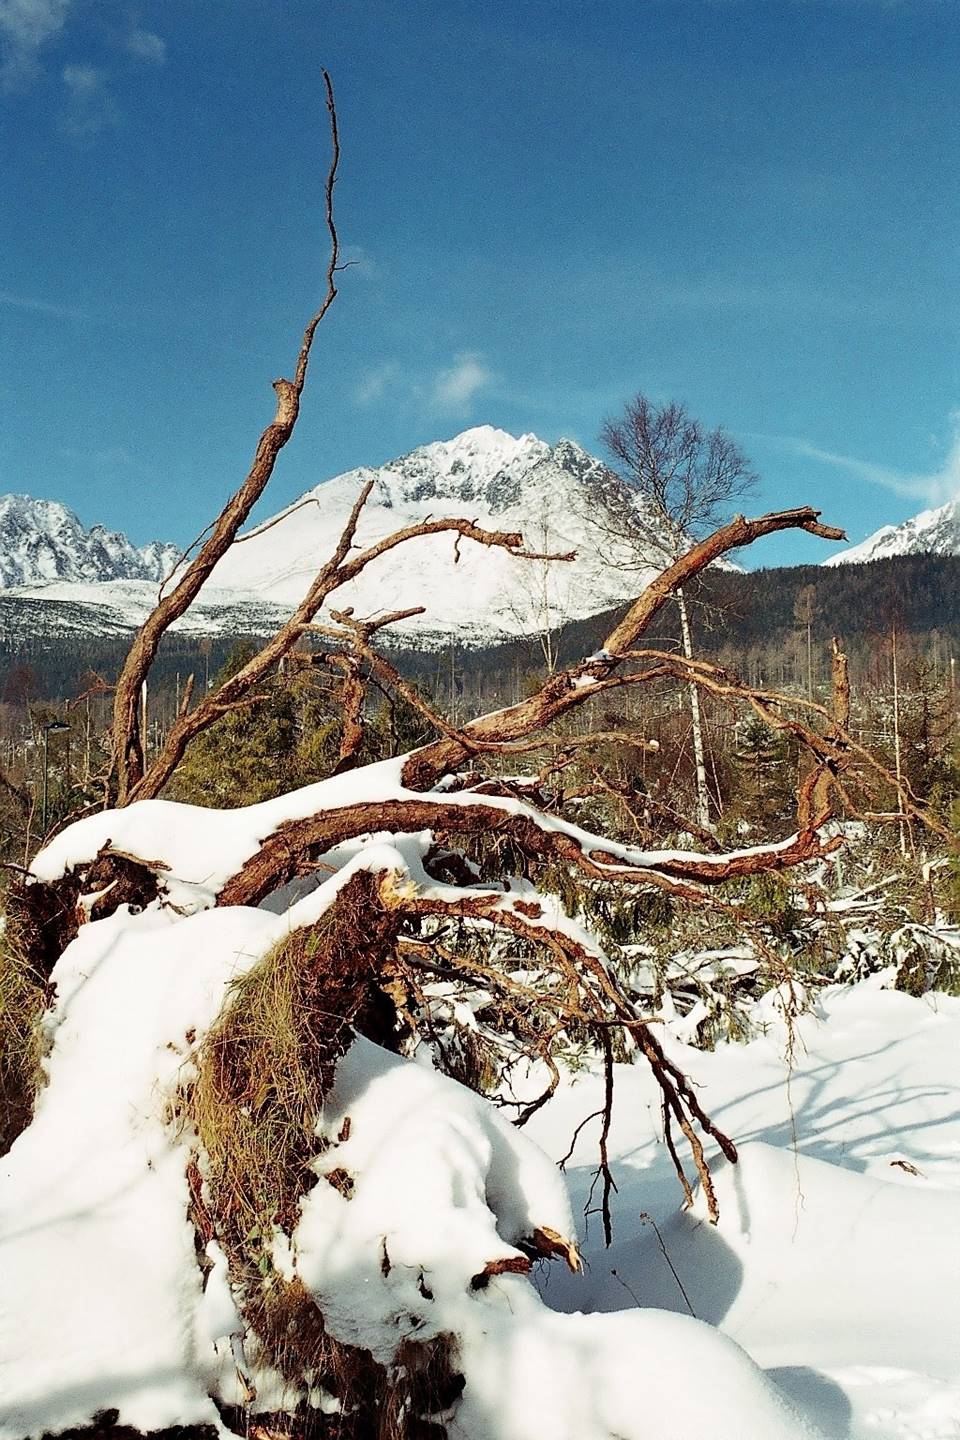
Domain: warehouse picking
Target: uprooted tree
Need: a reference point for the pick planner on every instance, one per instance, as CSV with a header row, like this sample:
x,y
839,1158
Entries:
x,y
260,944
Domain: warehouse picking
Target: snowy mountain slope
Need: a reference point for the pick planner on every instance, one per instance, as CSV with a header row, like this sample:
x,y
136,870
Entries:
x,y
486,475
116,607
43,541
934,532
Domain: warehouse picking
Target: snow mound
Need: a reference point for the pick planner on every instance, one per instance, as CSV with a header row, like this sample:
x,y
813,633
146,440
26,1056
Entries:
x,y
101,1289
103,1304
633,1375
443,1188
841,1242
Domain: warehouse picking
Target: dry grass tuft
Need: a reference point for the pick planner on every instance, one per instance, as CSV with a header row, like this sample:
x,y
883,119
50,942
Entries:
x,y
262,1074
24,995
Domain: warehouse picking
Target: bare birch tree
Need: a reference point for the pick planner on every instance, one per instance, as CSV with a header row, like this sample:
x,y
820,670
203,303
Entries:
x,y
674,482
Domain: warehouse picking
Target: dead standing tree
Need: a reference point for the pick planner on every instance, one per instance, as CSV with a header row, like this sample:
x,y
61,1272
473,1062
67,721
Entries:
x,y
128,745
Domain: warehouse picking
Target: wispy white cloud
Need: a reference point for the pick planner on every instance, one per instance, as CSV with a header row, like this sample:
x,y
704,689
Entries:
x,y
90,106
457,387
108,456
147,46
934,487
82,80
9,301
375,383
452,389
25,27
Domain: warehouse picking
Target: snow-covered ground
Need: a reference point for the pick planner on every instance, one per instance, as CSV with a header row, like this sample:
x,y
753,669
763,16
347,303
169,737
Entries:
x,y
836,1262
826,1302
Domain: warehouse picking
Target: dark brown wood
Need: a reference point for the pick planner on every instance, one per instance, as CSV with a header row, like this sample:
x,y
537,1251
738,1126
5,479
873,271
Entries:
x,y
290,848
353,692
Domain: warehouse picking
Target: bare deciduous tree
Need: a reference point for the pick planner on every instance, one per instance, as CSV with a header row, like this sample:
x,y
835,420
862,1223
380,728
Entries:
x,y
674,482
686,478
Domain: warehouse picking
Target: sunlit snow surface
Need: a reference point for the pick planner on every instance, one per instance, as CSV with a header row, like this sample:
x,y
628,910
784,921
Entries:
x,y
834,1265
500,481
834,1268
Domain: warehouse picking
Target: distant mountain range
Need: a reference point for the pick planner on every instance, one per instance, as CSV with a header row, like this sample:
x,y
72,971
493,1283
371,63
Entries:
x,y
58,578
476,593
42,542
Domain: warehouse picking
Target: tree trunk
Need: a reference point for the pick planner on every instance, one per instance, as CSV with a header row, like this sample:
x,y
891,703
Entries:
x,y
703,800
896,744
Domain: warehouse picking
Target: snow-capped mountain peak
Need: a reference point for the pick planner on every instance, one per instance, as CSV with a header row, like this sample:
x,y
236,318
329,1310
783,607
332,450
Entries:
x,y
481,465
503,482
41,541
484,450
934,532
477,593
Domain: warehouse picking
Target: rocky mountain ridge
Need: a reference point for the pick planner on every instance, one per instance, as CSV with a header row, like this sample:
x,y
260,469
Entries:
x,y
932,532
42,541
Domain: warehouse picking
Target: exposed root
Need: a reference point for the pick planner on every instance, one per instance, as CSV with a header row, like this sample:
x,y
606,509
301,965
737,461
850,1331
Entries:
x,y
262,1075
104,1426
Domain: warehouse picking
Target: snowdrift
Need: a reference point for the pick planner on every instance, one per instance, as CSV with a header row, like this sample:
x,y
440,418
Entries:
x,y
826,1302
104,1302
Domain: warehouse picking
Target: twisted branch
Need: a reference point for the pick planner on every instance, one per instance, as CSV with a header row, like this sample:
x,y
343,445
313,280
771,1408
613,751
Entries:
x,y
128,757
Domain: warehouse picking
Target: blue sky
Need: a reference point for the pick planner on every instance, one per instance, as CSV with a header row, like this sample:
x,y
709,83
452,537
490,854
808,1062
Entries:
x,y
750,207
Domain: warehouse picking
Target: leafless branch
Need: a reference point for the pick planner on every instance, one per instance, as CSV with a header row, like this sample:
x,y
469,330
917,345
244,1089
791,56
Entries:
x,y
128,758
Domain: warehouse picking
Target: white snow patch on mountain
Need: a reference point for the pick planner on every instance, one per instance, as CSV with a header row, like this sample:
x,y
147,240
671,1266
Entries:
x,y
499,481
935,532
41,541
479,593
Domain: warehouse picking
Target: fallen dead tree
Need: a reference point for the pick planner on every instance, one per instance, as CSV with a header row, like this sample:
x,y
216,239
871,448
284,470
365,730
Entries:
x,y
233,992
425,796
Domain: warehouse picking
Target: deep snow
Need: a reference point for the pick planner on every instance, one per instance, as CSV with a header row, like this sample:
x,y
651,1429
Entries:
x,y
835,1267
836,1262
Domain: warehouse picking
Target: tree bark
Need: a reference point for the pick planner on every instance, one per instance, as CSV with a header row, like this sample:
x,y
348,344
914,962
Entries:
x,y
703,802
